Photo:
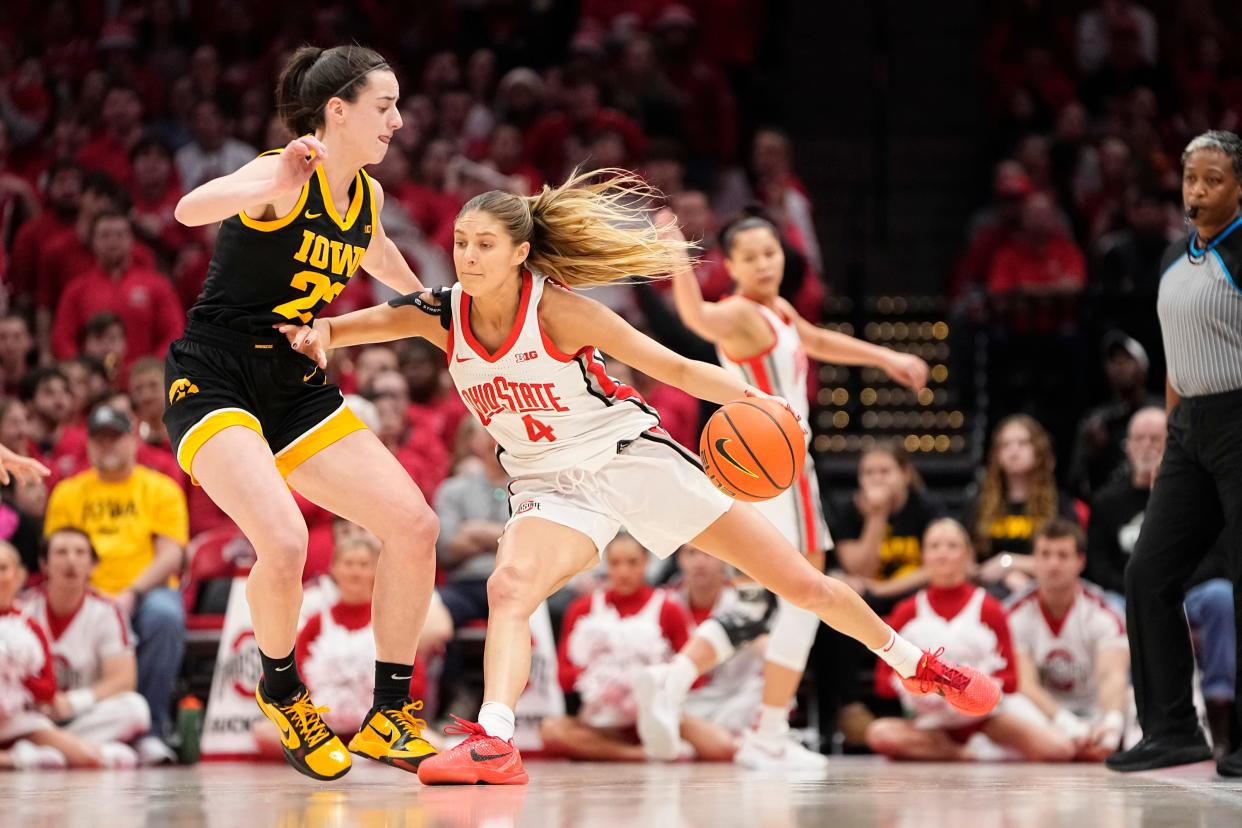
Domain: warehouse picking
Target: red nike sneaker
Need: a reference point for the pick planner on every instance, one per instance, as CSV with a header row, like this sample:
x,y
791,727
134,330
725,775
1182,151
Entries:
x,y
968,690
480,759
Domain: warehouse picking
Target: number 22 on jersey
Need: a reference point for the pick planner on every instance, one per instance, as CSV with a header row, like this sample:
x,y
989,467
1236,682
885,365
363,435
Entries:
x,y
340,258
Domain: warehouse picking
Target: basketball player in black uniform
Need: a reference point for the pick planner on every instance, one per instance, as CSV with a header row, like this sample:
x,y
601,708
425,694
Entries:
x,y
249,417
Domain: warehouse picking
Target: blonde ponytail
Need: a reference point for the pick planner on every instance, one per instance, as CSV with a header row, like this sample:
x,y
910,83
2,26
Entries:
x,y
595,229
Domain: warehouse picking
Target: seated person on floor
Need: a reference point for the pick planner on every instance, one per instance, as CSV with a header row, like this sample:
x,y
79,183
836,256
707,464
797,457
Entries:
x,y
974,631
606,638
1073,656
92,645
336,650
28,738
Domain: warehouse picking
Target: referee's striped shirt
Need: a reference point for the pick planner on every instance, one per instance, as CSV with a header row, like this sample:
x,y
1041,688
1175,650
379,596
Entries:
x,y
1200,308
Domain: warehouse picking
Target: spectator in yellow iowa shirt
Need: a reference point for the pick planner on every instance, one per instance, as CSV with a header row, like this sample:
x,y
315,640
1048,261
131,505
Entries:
x,y
136,519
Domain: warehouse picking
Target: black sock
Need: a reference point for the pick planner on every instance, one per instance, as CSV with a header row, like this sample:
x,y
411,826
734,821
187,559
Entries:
x,y
280,676
392,683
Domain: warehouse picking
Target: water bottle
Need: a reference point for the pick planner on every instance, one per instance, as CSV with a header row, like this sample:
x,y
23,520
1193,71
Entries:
x,y
189,727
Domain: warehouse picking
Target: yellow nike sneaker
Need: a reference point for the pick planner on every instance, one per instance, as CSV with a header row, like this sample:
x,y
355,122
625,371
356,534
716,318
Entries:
x,y
394,736
310,745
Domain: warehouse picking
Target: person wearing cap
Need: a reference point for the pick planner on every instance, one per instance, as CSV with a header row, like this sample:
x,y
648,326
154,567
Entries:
x,y
1196,499
1098,458
137,521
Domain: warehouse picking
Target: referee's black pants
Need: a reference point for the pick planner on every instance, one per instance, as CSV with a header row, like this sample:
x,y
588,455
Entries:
x,y
1197,497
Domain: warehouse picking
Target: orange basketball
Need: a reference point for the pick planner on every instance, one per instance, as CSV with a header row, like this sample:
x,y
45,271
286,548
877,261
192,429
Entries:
x,y
753,449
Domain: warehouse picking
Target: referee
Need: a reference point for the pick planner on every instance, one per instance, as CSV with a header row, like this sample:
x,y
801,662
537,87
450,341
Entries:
x,y
1197,494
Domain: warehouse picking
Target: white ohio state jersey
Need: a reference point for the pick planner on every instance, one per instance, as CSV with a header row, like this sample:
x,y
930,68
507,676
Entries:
x,y
83,640
1064,649
780,370
548,410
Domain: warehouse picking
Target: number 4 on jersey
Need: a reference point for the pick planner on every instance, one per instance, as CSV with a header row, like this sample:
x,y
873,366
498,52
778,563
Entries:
x,y
536,431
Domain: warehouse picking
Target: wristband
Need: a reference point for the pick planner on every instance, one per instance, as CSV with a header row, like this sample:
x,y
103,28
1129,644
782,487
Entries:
x,y
81,700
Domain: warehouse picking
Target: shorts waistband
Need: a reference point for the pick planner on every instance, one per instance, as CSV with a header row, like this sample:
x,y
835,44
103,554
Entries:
x,y
236,341
1230,399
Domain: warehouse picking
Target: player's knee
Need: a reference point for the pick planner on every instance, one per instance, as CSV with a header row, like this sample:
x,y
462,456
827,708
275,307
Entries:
x,y
817,593
510,589
283,551
133,710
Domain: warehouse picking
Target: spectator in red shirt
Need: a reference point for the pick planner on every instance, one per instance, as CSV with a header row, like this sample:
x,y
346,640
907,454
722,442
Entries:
x,y
708,113
45,391
1041,259
16,351
433,400
121,122
583,118
88,381
18,202
142,298
992,227
62,190
154,193
595,663
68,254
103,339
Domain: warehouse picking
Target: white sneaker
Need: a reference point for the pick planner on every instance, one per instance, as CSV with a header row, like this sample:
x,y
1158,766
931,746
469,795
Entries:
x,y
118,755
153,751
29,756
659,714
783,752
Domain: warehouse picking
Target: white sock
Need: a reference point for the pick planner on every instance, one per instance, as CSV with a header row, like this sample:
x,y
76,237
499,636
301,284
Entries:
x,y
900,654
681,675
773,721
497,719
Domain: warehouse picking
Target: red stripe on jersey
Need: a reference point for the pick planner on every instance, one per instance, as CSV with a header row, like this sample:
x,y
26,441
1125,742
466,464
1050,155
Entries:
x,y
808,516
553,351
612,388
514,332
759,366
1102,604
448,346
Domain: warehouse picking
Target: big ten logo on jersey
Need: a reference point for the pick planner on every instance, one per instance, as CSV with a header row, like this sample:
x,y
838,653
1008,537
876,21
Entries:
x,y
338,258
526,356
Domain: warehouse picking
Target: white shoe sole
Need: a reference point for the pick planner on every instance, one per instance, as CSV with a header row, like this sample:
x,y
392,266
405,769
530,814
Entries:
x,y
658,741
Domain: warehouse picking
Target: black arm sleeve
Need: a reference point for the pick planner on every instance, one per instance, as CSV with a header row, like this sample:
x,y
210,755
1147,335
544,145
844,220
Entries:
x,y
442,306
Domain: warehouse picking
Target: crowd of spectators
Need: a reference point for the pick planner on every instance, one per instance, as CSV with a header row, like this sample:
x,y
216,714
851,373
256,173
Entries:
x,y
109,112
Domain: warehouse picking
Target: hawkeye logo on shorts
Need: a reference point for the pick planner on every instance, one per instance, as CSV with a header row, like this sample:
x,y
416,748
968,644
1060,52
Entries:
x,y
181,388
723,452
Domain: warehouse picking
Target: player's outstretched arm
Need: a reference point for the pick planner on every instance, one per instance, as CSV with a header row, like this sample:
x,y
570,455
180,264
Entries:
x,y
270,183
717,322
843,349
380,323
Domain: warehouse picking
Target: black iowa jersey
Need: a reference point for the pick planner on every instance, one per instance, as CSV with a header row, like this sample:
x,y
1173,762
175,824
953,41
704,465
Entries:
x,y
287,269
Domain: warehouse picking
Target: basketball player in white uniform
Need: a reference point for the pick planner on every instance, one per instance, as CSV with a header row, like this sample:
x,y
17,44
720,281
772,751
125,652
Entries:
x,y
92,646
586,452
1072,652
762,340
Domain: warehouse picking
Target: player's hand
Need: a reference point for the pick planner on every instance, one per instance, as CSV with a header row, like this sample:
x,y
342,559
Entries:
x,y
907,370
26,470
667,226
61,709
313,342
298,161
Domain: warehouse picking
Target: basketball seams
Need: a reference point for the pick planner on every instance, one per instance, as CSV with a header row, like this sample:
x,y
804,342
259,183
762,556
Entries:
x,y
793,460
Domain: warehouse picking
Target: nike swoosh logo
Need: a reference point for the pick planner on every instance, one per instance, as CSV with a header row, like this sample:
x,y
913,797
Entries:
x,y
308,376
723,452
463,359
282,669
478,757
396,677
382,734
285,734
311,215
